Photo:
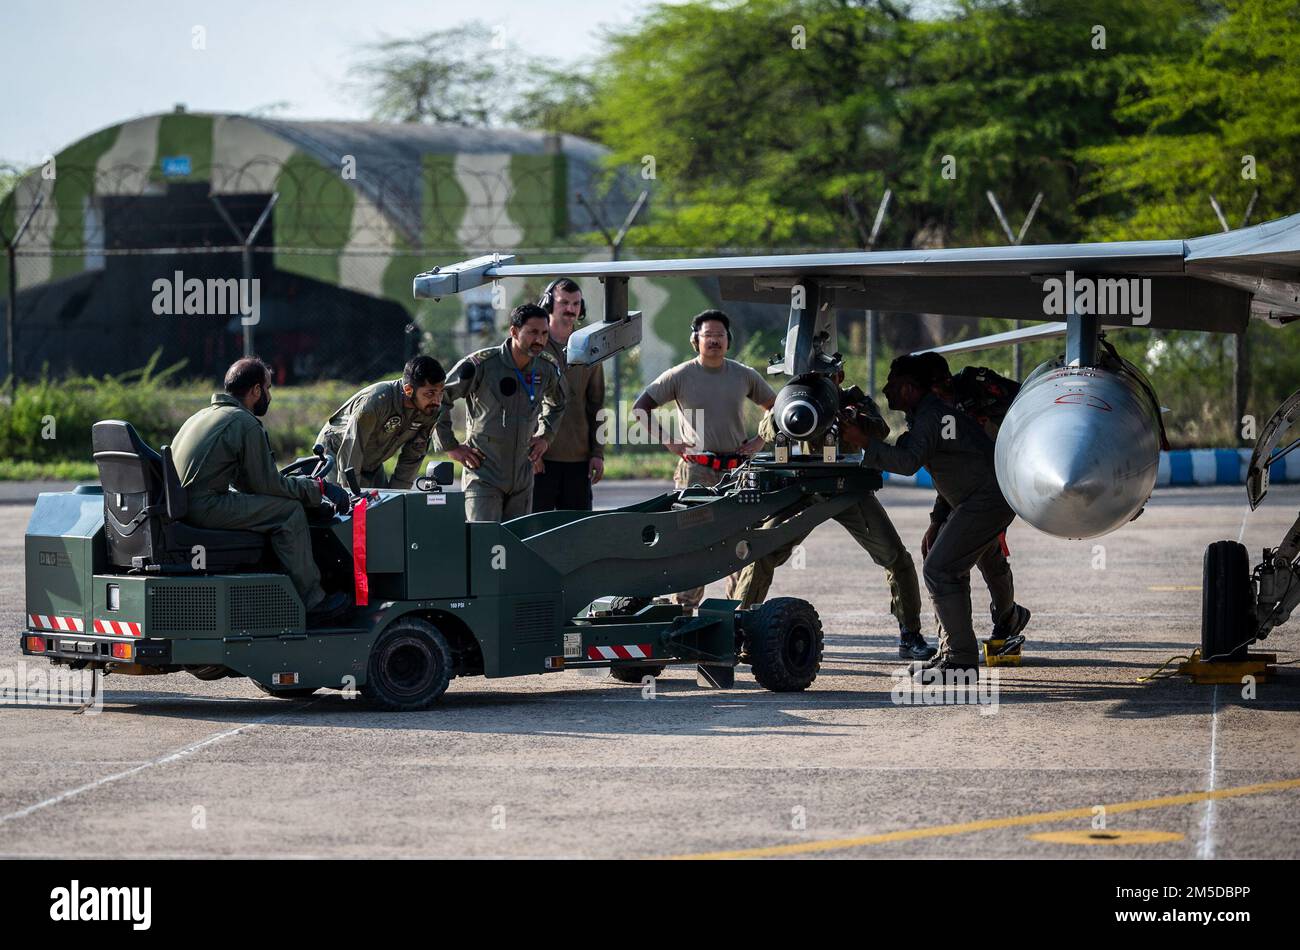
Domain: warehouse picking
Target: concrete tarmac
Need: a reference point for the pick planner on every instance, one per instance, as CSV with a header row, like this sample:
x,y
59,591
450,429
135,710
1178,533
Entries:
x,y
574,764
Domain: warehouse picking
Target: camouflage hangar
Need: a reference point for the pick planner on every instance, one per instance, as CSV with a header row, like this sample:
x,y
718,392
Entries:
x,y
125,222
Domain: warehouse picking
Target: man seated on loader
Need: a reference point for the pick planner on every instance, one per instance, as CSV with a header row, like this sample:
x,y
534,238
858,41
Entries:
x,y
223,457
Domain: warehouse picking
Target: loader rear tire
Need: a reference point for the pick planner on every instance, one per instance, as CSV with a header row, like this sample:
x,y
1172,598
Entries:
x,y
410,666
783,643
1227,617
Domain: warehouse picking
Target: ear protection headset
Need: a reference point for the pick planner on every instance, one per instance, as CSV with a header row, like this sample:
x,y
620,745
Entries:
x,y
547,300
701,318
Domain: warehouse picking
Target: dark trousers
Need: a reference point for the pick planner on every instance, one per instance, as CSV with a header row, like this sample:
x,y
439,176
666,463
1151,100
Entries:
x,y
564,486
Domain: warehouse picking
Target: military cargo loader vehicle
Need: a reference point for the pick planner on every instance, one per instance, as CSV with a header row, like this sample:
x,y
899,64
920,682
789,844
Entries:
x,y
117,581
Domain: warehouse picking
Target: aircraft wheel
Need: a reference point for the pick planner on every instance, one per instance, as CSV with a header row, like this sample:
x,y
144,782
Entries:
x,y
1226,602
410,666
783,642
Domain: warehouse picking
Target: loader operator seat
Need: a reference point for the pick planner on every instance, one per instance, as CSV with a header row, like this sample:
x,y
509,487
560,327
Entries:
x,y
144,503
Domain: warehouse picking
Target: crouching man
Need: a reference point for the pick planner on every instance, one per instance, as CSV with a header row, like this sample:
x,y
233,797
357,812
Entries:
x,y
959,456
395,417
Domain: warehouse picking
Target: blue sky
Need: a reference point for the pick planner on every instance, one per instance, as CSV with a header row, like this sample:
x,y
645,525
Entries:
x,y
75,67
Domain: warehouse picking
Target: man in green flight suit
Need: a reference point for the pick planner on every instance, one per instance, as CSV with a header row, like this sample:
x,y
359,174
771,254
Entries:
x,y
223,457
513,405
395,417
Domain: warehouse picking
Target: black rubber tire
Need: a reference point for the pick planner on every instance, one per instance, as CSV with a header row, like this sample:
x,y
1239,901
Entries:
x,y
295,692
210,673
1227,602
410,666
783,643
628,605
633,674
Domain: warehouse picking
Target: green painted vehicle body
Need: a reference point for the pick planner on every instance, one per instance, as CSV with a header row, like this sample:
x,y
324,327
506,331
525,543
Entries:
x,y
511,599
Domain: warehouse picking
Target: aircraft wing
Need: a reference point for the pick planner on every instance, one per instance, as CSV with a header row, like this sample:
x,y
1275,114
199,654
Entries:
x,y
1214,282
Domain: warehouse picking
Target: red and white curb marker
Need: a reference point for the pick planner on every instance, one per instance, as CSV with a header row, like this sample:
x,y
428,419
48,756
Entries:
x,y
119,628
48,622
627,651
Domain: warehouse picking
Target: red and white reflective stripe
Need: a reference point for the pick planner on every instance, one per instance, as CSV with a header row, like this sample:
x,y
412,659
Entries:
x,y
118,628
50,622
627,651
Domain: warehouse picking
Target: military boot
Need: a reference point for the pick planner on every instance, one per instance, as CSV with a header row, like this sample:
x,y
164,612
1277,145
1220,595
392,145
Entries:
x,y
957,639
912,646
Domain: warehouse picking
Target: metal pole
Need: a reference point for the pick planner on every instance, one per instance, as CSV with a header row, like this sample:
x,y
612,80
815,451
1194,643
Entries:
x,y
615,242
1017,357
871,353
1240,345
1240,381
246,254
11,311
872,316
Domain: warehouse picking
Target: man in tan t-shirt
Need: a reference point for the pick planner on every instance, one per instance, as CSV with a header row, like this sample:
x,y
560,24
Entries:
x,y
710,392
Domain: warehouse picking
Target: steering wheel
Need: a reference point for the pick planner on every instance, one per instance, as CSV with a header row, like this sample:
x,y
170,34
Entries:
x,y
313,466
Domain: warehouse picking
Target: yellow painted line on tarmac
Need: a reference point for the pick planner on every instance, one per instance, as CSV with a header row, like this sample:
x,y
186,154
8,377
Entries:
x,y
1137,836
990,824
1175,587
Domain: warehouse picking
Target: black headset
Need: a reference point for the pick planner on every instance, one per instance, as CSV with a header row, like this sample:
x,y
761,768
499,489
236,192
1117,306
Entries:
x,y
547,300
704,317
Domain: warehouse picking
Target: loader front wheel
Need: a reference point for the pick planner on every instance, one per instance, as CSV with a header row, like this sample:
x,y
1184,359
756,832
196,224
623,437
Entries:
x,y
783,644
410,666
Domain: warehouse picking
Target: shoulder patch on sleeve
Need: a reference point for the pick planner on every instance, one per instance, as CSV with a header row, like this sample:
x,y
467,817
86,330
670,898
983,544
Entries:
x,y
463,370
550,358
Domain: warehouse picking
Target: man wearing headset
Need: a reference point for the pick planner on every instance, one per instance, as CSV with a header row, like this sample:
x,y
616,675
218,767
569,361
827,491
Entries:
x,y
710,392
575,461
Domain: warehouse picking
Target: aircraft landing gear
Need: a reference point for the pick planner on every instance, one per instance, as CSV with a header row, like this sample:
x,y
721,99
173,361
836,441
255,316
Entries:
x,y
1239,606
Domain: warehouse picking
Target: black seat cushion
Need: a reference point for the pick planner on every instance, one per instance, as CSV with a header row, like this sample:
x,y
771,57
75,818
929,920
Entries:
x,y
182,535
139,532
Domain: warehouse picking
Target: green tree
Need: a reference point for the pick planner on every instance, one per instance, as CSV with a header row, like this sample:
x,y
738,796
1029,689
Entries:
x,y
1205,126
781,122
461,75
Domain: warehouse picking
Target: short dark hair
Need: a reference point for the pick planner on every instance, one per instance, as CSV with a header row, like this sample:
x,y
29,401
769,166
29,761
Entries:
x,y
700,318
525,312
935,367
244,374
423,371
912,368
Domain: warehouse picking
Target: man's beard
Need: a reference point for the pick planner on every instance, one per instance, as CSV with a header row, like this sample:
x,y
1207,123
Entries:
x,y
262,404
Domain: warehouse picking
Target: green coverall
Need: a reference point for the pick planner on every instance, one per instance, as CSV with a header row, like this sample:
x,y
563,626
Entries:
x,y
372,427
223,446
504,408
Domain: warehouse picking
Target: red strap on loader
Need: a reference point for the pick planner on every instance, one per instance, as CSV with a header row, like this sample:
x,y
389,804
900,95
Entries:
x,y
715,460
1002,540
359,552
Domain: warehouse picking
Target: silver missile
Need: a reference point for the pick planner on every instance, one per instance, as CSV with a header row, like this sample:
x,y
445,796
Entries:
x,y
1078,452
